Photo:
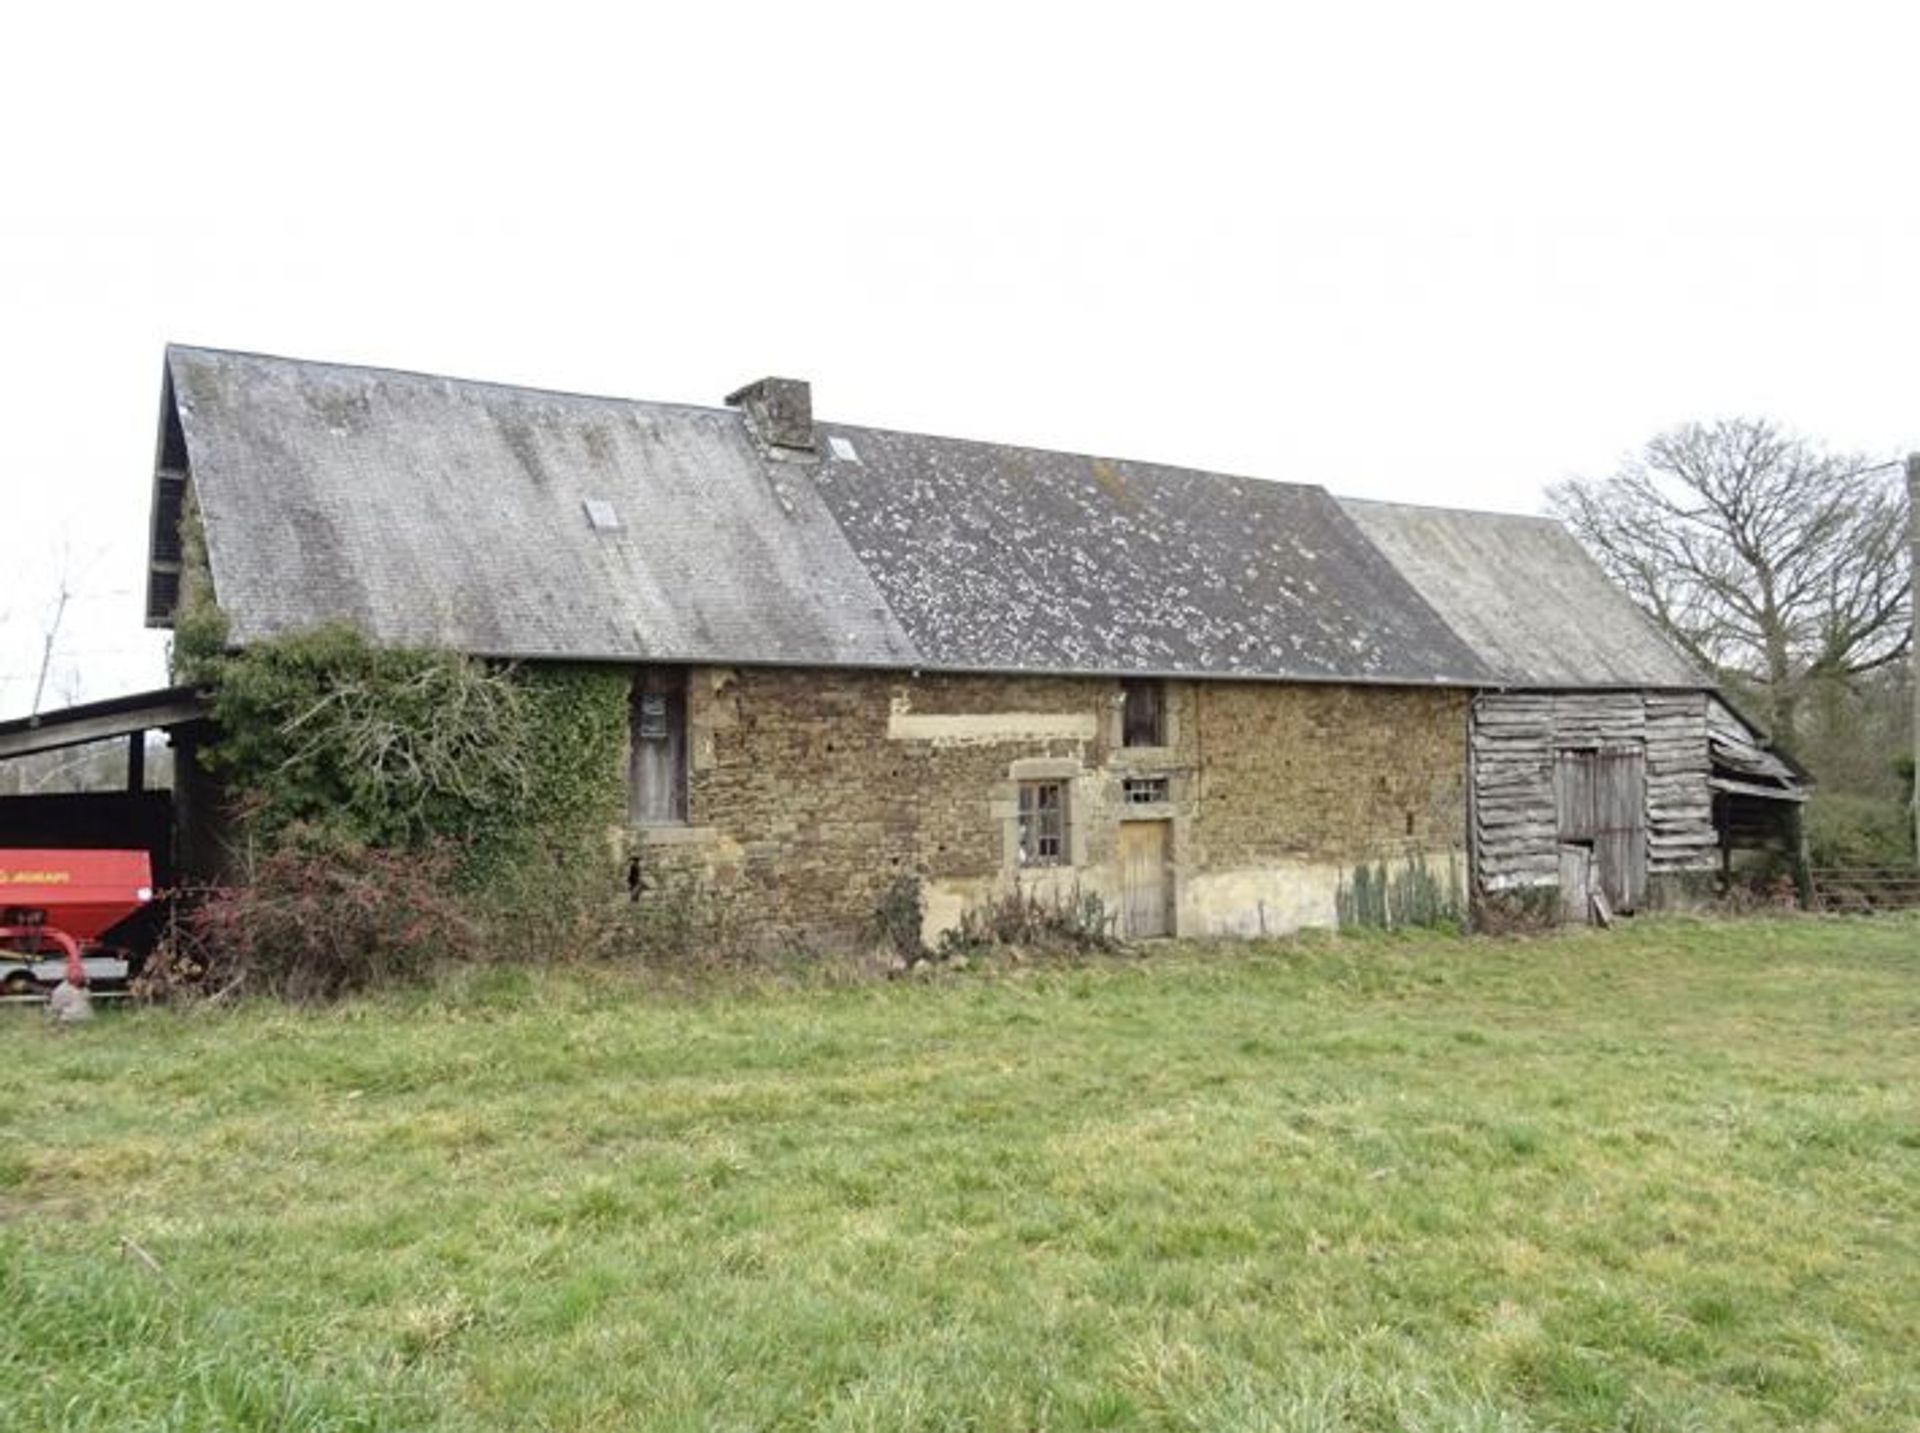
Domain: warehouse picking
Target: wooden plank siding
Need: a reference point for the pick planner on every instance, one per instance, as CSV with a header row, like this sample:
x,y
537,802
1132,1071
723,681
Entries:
x,y
1515,743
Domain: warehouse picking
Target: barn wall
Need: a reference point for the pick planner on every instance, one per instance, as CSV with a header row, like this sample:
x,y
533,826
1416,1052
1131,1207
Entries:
x,y
811,792
1515,738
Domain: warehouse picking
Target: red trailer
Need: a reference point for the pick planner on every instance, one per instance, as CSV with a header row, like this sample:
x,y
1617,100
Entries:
x,y
54,908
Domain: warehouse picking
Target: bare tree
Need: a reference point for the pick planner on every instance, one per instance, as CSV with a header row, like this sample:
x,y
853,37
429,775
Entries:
x,y
1774,563
52,635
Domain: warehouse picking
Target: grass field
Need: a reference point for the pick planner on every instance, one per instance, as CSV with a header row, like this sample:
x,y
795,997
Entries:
x,y
1668,1178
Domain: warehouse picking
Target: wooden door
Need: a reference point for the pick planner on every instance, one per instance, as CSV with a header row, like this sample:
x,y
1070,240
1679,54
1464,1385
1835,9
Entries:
x,y
1576,889
1145,890
1620,825
1600,798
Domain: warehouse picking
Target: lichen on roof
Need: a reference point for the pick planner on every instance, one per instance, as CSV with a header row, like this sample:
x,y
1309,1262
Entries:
x,y
441,512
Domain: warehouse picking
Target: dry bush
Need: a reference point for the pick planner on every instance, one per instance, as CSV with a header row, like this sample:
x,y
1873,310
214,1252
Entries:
x,y
316,926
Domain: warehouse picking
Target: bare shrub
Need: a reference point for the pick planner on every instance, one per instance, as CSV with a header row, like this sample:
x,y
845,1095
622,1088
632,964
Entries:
x,y
317,926
1021,919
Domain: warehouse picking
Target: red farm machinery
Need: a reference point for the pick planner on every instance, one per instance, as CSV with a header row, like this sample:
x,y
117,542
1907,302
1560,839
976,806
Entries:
x,y
57,909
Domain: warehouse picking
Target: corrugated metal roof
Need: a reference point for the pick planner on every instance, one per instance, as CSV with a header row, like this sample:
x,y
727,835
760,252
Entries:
x,y
435,511
1526,597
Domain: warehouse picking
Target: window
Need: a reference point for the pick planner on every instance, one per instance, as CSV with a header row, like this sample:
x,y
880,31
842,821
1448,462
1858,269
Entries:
x,y
657,747
1144,790
1143,715
1043,823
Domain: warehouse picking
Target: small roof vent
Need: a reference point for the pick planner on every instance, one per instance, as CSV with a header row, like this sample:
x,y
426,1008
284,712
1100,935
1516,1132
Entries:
x,y
842,448
600,515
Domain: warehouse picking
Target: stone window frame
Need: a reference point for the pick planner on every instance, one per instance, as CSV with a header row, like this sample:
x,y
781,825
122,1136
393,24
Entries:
x,y
1041,822
1005,804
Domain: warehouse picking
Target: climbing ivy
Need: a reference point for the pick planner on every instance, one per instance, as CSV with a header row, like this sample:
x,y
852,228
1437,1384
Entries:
x,y
200,627
328,742
550,848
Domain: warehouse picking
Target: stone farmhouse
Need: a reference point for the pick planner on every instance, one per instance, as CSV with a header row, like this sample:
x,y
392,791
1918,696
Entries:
x,y
858,654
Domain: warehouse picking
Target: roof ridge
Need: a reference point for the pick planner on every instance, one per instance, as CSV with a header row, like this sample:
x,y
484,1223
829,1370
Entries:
x,y
496,385
1449,508
1045,452
421,373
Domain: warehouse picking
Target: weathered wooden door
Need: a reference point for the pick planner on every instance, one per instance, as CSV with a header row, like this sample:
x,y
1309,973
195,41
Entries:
x,y
1600,795
1576,883
1144,887
1620,826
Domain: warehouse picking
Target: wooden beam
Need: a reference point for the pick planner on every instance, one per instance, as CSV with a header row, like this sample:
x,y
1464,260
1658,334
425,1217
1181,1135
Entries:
x,y
52,734
1766,793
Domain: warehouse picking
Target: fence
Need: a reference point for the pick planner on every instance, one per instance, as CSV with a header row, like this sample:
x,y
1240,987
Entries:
x,y
1865,888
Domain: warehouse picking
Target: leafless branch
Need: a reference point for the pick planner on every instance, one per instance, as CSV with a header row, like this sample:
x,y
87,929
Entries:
x,y
1758,552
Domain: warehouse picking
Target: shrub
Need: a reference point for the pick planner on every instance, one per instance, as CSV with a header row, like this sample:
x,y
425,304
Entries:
x,y
318,924
1848,830
900,917
1518,910
1021,919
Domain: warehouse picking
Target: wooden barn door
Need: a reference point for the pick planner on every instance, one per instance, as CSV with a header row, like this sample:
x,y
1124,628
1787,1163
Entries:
x,y
1600,796
1144,887
1620,825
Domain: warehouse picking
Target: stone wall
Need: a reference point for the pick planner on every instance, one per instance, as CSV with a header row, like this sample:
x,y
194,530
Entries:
x,y
811,792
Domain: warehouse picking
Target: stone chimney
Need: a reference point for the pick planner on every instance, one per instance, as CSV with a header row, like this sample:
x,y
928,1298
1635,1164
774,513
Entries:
x,y
779,411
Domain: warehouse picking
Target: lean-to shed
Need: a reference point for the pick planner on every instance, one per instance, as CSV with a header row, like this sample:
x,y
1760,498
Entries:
x,y
1601,760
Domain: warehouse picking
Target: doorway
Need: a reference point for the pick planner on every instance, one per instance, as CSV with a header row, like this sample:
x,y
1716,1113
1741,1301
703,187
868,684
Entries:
x,y
1146,890
1600,799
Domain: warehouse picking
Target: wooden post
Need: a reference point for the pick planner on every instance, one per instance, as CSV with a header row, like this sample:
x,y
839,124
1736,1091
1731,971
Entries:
x,y
1913,651
137,761
1802,864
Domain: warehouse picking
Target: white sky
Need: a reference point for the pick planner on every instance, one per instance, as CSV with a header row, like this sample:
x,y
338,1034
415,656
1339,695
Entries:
x,y
1441,253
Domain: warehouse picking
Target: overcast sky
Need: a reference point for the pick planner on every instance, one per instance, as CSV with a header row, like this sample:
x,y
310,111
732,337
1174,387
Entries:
x,y
1441,253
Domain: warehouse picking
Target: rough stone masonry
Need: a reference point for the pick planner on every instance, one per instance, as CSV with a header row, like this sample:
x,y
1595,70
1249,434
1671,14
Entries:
x,y
812,791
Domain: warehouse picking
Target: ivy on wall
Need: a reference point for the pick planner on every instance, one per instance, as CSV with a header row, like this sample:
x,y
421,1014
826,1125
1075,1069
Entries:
x,y
330,743
327,741
200,628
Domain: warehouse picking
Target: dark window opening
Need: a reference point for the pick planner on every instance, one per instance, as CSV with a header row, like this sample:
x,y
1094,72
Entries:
x,y
169,501
1143,720
163,595
657,747
1043,823
173,439
1145,790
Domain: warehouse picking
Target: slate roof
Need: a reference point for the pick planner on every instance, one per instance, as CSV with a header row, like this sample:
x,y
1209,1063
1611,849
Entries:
x,y
1535,608
995,557
437,511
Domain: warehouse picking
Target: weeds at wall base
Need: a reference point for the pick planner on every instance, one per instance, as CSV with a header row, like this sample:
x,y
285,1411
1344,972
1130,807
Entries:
x,y
1406,895
1073,922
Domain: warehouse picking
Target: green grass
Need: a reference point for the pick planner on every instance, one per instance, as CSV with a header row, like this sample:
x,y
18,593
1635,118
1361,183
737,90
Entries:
x,y
1664,1179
